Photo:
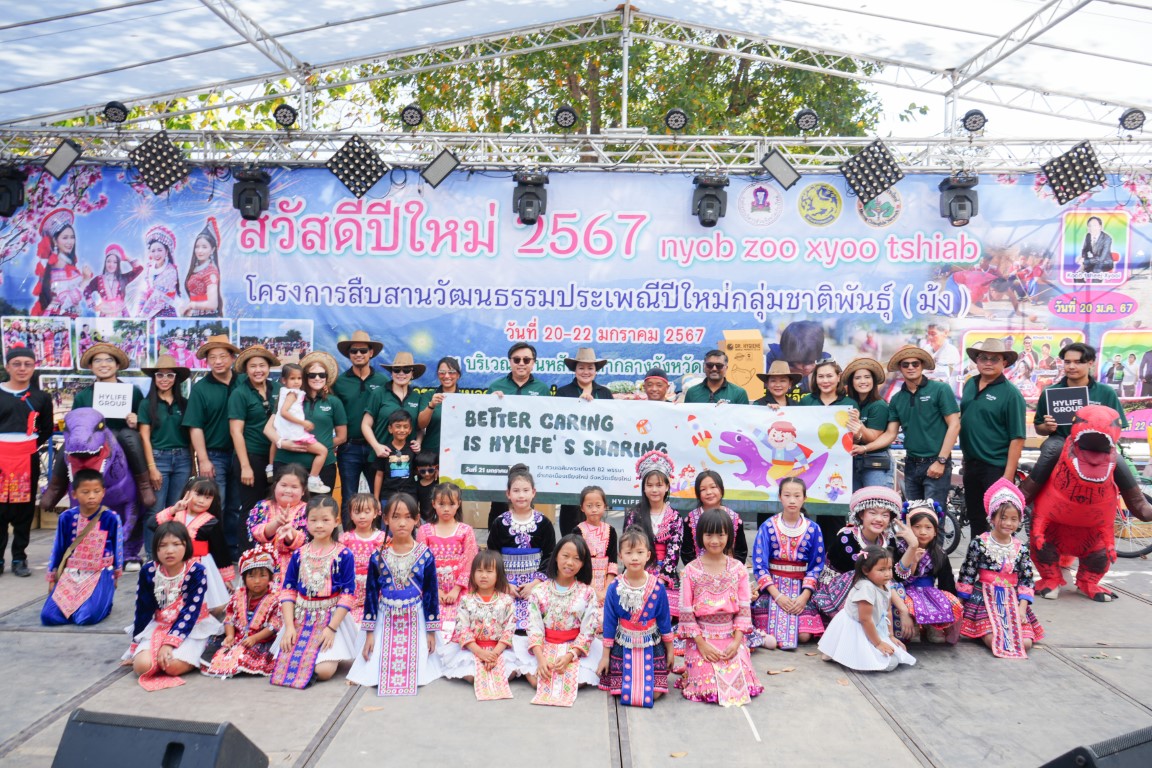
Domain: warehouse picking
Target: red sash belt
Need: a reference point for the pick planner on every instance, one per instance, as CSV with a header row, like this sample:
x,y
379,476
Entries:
x,y
486,644
997,577
637,626
16,470
199,548
788,569
557,636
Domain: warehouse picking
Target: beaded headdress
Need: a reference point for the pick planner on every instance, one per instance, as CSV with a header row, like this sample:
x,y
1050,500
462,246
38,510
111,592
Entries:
x,y
163,235
55,221
211,232
654,461
114,249
262,556
921,506
1003,492
873,497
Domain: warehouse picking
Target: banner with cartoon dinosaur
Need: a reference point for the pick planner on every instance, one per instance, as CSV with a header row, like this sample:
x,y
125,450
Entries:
x,y
569,444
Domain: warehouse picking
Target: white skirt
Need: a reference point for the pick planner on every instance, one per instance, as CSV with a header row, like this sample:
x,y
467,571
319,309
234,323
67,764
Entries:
x,y
368,672
526,662
343,646
844,640
457,662
188,651
216,594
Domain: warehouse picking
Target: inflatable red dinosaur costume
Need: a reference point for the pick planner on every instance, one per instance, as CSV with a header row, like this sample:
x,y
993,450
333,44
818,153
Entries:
x,y
1075,512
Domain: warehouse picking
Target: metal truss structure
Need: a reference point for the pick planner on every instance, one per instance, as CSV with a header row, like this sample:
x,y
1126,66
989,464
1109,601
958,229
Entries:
x,y
585,152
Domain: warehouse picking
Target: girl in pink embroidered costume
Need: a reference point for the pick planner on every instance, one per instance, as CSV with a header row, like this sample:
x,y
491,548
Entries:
x,y
563,645
663,525
161,287
203,279
859,637
996,580
710,495
601,539
925,576
314,602
280,520
106,292
251,620
481,648
199,511
59,274
401,610
786,563
172,625
637,629
363,542
453,544
715,614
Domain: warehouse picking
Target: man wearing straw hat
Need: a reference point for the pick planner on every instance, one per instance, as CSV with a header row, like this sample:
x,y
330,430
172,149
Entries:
x,y
928,413
992,427
207,420
354,388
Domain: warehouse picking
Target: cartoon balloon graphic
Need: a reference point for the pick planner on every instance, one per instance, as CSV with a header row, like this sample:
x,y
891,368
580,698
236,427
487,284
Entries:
x,y
847,442
842,418
828,434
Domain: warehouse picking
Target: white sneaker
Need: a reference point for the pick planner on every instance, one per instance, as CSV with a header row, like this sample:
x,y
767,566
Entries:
x,y
316,485
131,566
269,471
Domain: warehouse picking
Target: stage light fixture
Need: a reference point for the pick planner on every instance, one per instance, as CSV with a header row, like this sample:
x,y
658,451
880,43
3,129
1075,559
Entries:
x,y
959,202
412,115
159,162
709,200
1132,119
250,193
973,121
807,120
529,198
1074,173
357,166
780,169
565,117
11,191
115,112
438,170
676,119
285,115
63,158
871,171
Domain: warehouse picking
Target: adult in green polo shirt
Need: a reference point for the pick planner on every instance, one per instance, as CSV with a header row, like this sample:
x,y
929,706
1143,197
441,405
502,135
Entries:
x,y
519,381
716,388
992,427
825,386
1079,361
448,372
928,413
207,422
325,411
397,394
354,387
166,445
250,405
871,460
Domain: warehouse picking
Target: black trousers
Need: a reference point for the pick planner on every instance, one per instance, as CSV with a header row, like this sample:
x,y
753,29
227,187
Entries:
x,y
978,478
570,517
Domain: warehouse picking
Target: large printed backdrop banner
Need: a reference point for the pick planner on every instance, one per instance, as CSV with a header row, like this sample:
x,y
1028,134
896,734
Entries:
x,y
569,444
618,263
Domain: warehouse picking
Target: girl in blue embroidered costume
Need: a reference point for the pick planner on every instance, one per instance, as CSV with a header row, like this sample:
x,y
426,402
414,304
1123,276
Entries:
x,y
526,539
637,628
787,561
925,576
172,623
401,609
317,594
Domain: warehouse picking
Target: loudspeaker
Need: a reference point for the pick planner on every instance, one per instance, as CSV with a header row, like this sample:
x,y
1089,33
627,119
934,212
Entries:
x,y
102,738
1132,750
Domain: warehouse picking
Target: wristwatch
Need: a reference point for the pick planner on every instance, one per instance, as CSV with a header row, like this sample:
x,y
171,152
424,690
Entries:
x,y
943,459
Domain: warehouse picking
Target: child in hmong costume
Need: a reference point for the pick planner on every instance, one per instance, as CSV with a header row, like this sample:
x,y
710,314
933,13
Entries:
x,y
710,494
663,525
526,539
251,619
401,609
315,598
714,617
87,557
172,625
481,647
787,560
996,580
600,538
925,576
281,519
363,542
199,510
563,625
637,628
453,544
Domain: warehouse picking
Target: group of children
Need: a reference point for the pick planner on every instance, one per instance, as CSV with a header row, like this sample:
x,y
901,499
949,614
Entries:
x,y
405,601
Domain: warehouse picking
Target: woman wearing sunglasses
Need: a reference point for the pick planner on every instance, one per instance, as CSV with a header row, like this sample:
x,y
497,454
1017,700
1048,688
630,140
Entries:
x,y
326,413
398,394
166,446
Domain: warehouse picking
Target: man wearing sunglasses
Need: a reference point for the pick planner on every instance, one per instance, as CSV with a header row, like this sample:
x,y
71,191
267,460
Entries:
x,y
931,419
716,388
354,388
519,381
